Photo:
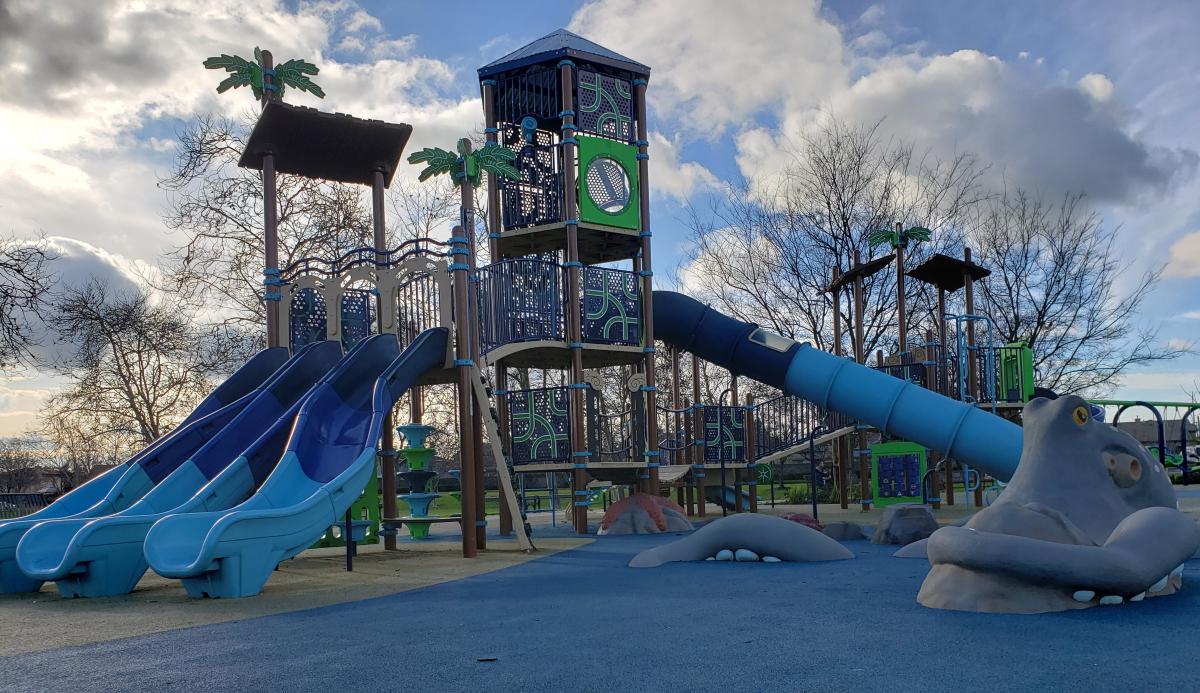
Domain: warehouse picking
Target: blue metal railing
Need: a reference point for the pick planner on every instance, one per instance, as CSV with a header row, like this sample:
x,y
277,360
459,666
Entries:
x,y
523,299
520,300
787,421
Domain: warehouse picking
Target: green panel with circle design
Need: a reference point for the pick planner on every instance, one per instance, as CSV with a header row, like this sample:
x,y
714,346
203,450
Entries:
x,y
608,183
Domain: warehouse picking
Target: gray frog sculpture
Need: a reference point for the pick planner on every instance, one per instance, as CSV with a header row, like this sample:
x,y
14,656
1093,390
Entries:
x,y
1089,518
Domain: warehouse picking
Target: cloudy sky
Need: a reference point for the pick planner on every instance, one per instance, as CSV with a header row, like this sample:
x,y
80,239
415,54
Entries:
x,y
1069,96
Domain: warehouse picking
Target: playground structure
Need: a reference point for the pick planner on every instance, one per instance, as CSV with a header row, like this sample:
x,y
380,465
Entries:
x,y
568,291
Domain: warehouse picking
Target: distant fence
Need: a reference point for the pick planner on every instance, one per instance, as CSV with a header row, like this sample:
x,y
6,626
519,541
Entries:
x,y
13,505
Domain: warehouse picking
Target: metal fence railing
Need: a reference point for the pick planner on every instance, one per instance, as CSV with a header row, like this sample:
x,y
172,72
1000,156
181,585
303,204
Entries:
x,y
14,505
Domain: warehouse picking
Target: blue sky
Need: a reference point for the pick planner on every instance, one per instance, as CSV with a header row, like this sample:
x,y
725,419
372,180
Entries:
x,y
1094,96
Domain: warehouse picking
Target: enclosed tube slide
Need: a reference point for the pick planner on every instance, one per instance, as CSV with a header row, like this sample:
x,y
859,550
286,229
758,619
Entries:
x,y
964,432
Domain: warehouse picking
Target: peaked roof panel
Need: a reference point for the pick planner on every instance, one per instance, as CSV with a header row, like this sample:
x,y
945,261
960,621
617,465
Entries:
x,y
562,44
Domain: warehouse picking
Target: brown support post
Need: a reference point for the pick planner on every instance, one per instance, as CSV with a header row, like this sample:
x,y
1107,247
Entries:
x,y
698,471
462,347
935,483
270,225
466,348
387,453
946,388
864,471
493,227
973,384
752,481
840,448
689,456
646,272
572,304
477,408
901,308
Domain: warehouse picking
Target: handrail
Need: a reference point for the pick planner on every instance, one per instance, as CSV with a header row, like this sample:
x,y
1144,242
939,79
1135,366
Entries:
x,y
363,255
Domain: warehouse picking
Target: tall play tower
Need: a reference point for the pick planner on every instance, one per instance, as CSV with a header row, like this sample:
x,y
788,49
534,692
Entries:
x,y
574,113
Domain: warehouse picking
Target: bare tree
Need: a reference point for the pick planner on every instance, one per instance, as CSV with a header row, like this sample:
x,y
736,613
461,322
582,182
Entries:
x,y
765,254
20,464
217,207
24,281
1053,285
135,369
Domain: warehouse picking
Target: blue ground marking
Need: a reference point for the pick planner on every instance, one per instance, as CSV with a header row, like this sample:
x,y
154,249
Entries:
x,y
581,620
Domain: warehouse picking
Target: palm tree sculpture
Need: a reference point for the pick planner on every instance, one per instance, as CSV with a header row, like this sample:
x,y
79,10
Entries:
x,y
898,239
466,165
244,73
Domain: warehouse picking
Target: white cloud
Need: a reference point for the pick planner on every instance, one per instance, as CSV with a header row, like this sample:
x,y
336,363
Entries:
x,y
1185,261
76,158
1097,86
715,63
675,179
1042,137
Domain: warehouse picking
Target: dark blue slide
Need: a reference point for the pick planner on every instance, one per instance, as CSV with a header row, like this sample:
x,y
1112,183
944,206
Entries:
x,y
103,556
899,408
123,485
329,459
723,496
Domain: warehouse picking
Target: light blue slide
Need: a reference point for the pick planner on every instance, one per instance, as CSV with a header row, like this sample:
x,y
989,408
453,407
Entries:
x,y
965,432
329,459
102,556
123,485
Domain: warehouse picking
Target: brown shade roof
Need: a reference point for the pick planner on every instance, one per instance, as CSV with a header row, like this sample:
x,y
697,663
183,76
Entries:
x,y
863,270
329,146
947,273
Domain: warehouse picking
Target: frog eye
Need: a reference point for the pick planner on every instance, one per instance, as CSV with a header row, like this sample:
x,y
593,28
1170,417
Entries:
x,y
1081,415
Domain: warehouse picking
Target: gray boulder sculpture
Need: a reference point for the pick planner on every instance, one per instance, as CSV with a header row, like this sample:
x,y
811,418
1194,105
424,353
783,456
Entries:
x,y
1089,518
762,534
846,531
904,524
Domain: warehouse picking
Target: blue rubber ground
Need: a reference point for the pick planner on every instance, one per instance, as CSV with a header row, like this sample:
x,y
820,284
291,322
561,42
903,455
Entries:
x,y
582,621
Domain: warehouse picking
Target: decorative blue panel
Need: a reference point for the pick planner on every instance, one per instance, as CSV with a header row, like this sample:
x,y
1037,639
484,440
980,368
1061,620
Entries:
x,y
611,306
520,300
605,106
538,425
306,318
358,313
900,476
536,197
724,434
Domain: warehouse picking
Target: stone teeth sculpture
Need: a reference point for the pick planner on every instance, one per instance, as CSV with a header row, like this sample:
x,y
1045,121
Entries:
x,y
1089,518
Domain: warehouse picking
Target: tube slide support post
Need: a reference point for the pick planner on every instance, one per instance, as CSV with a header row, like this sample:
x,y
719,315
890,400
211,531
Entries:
x,y
864,467
647,274
574,302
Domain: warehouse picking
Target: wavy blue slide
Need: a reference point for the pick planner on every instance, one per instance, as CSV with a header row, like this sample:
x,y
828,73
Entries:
x,y
900,408
121,486
328,461
102,556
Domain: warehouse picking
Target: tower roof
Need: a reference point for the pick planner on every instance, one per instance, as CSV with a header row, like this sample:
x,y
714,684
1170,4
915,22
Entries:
x,y
562,44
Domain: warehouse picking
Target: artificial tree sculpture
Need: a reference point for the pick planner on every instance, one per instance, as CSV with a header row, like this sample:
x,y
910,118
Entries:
x,y
898,239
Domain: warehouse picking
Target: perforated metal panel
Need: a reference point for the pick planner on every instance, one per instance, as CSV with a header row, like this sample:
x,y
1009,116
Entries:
x,y
536,198
605,106
611,306
306,318
539,426
358,316
519,300
724,434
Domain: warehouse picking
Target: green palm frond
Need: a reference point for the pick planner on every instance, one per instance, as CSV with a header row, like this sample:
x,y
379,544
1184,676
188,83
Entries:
x,y
294,73
918,233
882,237
497,161
243,73
247,73
438,161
